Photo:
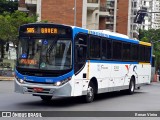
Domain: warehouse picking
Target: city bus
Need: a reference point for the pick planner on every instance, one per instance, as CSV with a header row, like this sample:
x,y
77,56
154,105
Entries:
x,y
56,60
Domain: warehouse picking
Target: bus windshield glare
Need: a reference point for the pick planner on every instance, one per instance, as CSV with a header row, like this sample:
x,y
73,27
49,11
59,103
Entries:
x,y
45,54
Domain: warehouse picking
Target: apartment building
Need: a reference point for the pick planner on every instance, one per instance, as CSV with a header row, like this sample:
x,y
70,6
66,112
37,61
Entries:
x,y
121,16
156,14
124,14
152,20
112,15
88,13
147,5
91,14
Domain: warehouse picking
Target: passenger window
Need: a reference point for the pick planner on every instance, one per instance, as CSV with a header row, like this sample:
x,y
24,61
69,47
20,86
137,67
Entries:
x,y
117,50
141,53
134,52
106,49
147,53
94,47
126,51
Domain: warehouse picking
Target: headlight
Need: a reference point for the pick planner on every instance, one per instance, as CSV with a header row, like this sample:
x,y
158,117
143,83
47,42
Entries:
x,y
20,80
59,83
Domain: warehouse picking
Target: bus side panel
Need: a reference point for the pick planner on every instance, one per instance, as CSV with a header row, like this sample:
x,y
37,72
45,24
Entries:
x,y
121,74
105,78
130,70
101,71
144,73
110,76
80,82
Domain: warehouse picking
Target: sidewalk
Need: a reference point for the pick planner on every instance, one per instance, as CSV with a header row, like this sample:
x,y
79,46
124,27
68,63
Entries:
x,y
2,78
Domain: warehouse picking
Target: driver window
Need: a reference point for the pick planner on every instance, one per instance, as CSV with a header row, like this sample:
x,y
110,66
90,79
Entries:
x,y
80,51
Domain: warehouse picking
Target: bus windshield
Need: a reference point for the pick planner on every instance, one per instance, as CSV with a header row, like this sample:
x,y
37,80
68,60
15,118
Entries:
x,y
45,54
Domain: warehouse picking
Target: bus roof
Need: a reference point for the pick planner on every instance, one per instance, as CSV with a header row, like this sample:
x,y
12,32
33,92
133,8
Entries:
x,y
112,33
103,33
108,34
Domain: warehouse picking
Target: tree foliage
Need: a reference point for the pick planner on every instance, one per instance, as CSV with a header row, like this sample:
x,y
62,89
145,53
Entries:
x,y
10,22
8,6
152,36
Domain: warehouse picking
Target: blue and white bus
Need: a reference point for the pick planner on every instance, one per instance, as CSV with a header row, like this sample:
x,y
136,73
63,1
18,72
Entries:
x,y
60,60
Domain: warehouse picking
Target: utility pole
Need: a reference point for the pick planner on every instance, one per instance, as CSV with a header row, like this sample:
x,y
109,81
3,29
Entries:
x,y
75,12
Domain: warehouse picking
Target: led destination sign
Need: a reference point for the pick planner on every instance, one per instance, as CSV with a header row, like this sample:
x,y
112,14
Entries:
x,y
29,61
42,30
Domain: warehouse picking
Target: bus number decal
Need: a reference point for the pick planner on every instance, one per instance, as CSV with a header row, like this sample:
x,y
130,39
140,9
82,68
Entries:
x,y
30,30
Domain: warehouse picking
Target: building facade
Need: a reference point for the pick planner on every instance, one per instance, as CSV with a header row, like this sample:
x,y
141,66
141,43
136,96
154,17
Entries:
x,y
112,15
88,13
124,14
156,14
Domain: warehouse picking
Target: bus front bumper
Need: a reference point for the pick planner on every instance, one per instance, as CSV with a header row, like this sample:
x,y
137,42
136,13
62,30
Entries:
x,y
43,89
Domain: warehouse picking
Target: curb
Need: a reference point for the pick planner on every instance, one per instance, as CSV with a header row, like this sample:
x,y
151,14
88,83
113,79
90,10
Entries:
x,y
6,78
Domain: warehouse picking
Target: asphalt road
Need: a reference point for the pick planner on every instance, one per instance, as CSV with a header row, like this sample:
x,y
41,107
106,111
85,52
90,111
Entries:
x,y
145,99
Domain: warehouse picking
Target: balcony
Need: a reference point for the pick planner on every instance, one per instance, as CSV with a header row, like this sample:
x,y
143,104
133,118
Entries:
x,y
31,3
111,13
92,4
110,4
92,1
109,22
103,14
146,6
23,9
103,11
109,27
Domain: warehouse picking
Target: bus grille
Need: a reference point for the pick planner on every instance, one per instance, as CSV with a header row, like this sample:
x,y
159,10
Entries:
x,y
31,90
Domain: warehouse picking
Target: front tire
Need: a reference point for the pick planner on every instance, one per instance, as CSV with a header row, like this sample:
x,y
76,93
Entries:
x,y
46,98
90,93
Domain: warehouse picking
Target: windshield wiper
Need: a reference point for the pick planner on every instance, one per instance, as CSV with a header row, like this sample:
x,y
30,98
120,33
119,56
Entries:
x,y
52,44
50,49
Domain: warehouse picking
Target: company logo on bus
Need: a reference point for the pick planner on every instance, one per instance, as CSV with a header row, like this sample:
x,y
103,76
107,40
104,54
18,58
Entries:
x,y
98,33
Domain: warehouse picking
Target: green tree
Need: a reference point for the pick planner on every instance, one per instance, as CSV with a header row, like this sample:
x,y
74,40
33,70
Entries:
x,y
152,35
8,6
9,24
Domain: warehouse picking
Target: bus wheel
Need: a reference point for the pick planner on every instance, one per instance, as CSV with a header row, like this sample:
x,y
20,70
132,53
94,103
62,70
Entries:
x,y
131,86
90,93
139,88
46,98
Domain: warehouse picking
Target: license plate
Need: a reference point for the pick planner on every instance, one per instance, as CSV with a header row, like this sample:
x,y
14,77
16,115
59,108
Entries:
x,y
36,89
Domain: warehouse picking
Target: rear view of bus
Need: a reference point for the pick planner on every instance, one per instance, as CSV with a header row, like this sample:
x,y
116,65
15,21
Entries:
x,y
44,61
